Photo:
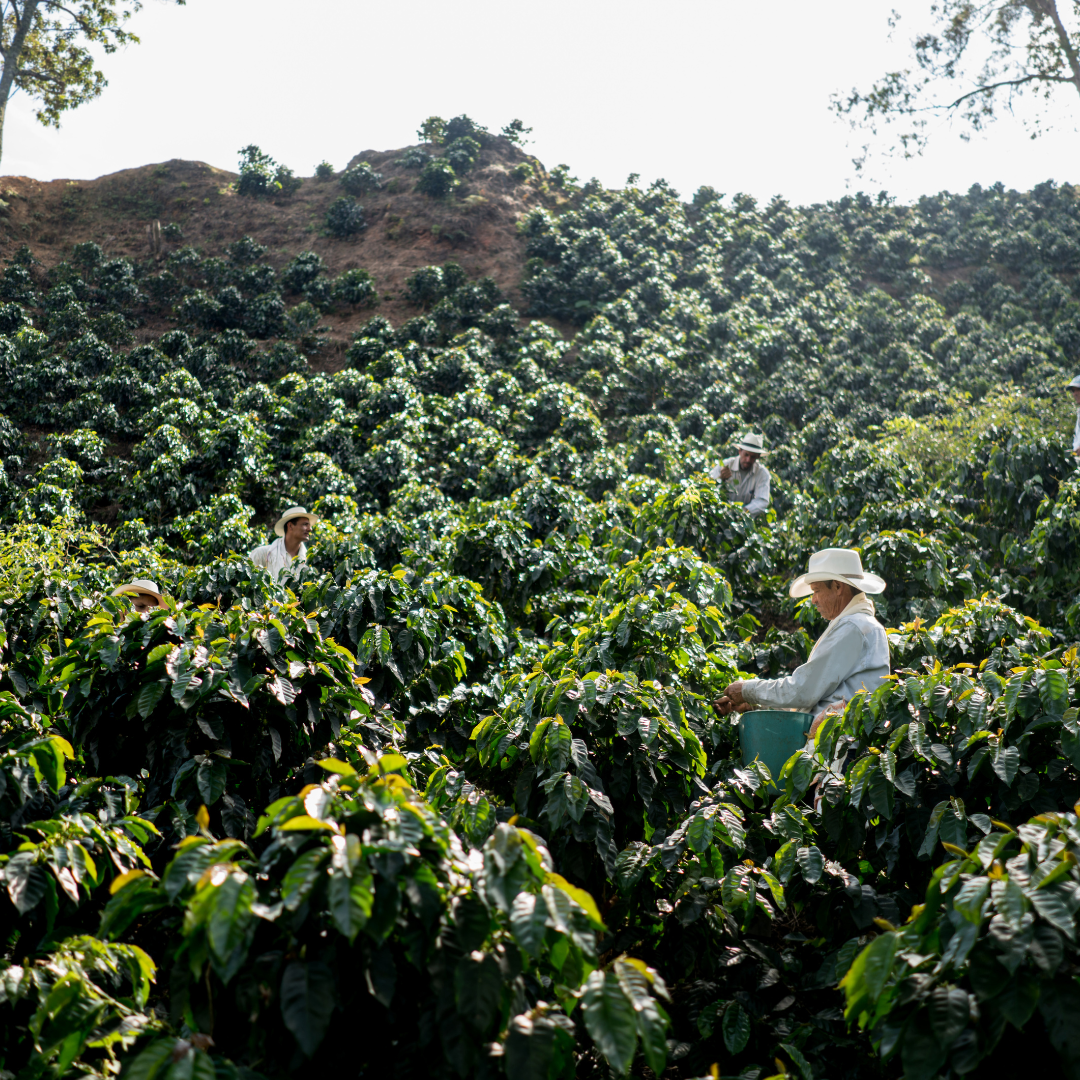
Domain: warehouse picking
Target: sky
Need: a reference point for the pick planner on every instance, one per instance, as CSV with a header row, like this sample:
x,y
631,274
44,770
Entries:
x,y
720,92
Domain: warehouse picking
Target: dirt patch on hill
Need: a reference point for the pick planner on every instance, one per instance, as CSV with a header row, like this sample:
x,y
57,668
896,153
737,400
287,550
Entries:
x,y
476,227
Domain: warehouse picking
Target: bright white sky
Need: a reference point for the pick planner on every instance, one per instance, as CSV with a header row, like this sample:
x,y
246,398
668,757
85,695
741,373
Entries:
x,y
719,92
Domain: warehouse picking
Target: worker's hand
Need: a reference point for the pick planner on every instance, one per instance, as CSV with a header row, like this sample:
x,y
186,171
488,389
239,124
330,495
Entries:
x,y
725,707
733,700
725,473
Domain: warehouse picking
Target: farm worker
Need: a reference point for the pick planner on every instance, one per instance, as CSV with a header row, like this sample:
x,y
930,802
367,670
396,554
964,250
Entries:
x,y
145,595
1074,389
852,654
747,475
293,528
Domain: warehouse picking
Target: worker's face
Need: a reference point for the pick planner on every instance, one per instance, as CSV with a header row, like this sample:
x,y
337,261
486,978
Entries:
x,y
142,602
298,529
830,597
1075,391
746,459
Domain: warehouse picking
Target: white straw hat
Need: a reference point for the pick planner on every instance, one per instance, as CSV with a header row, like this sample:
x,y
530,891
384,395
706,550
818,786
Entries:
x,y
140,585
752,443
1074,385
294,512
836,564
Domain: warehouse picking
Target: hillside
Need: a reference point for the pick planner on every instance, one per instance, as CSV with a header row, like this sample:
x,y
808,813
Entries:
x,y
453,797
405,230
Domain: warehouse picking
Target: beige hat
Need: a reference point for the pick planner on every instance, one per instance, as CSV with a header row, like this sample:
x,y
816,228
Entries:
x,y
836,564
294,512
140,585
752,443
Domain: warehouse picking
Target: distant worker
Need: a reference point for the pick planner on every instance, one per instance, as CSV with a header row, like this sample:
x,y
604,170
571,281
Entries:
x,y
145,595
293,527
1074,389
747,475
852,654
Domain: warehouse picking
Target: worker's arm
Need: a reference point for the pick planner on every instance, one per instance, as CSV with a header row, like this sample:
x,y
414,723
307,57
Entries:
x,y
835,657
258,555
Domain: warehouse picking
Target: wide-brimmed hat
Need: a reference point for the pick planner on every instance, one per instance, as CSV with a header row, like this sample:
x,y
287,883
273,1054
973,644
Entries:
x,y
140,585
294,512
752,442
1074,385
836,564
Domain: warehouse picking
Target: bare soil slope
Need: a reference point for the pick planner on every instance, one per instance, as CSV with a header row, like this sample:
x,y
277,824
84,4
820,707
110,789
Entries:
x,y
476,227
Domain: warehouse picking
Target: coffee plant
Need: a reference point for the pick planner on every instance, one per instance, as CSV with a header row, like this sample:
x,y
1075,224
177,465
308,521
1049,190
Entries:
x,y
345,218
260,175
437,178
360,179
451,797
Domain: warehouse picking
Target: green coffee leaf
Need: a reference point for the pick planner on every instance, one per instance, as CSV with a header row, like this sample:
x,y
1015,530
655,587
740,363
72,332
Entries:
x,y
735,1028
610,1020
811,864
308,997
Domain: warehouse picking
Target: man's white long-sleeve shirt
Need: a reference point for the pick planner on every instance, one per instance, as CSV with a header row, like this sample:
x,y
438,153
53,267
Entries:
x,y
852,655
751,486
1076,433
275,557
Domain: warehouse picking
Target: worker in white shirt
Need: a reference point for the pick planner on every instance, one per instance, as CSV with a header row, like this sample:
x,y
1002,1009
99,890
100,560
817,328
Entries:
x,y
852,654
747,475
293,528
1074,389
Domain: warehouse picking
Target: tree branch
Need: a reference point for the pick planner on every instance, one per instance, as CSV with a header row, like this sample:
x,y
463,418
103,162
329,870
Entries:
x,y
991,87
87,28
1048,8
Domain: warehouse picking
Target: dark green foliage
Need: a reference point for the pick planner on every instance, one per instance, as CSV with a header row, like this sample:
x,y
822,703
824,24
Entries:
x,y
415,158
324,171
260,175
360,179
302,271
437,179
515,131
462,154
463,127
355,287
524,595
345,218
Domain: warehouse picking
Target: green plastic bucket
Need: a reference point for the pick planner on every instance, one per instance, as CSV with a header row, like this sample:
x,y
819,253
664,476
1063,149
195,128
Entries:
x,y
773,736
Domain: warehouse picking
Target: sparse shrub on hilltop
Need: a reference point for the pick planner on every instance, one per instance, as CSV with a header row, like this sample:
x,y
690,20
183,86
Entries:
x,y
462,154
464,127
516,131
437,179
414,158
360,179
432,131
260,175
324,171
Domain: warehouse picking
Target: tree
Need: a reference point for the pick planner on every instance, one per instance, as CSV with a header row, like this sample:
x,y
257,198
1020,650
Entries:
x,y
432,130
45,46
975,61
516,131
